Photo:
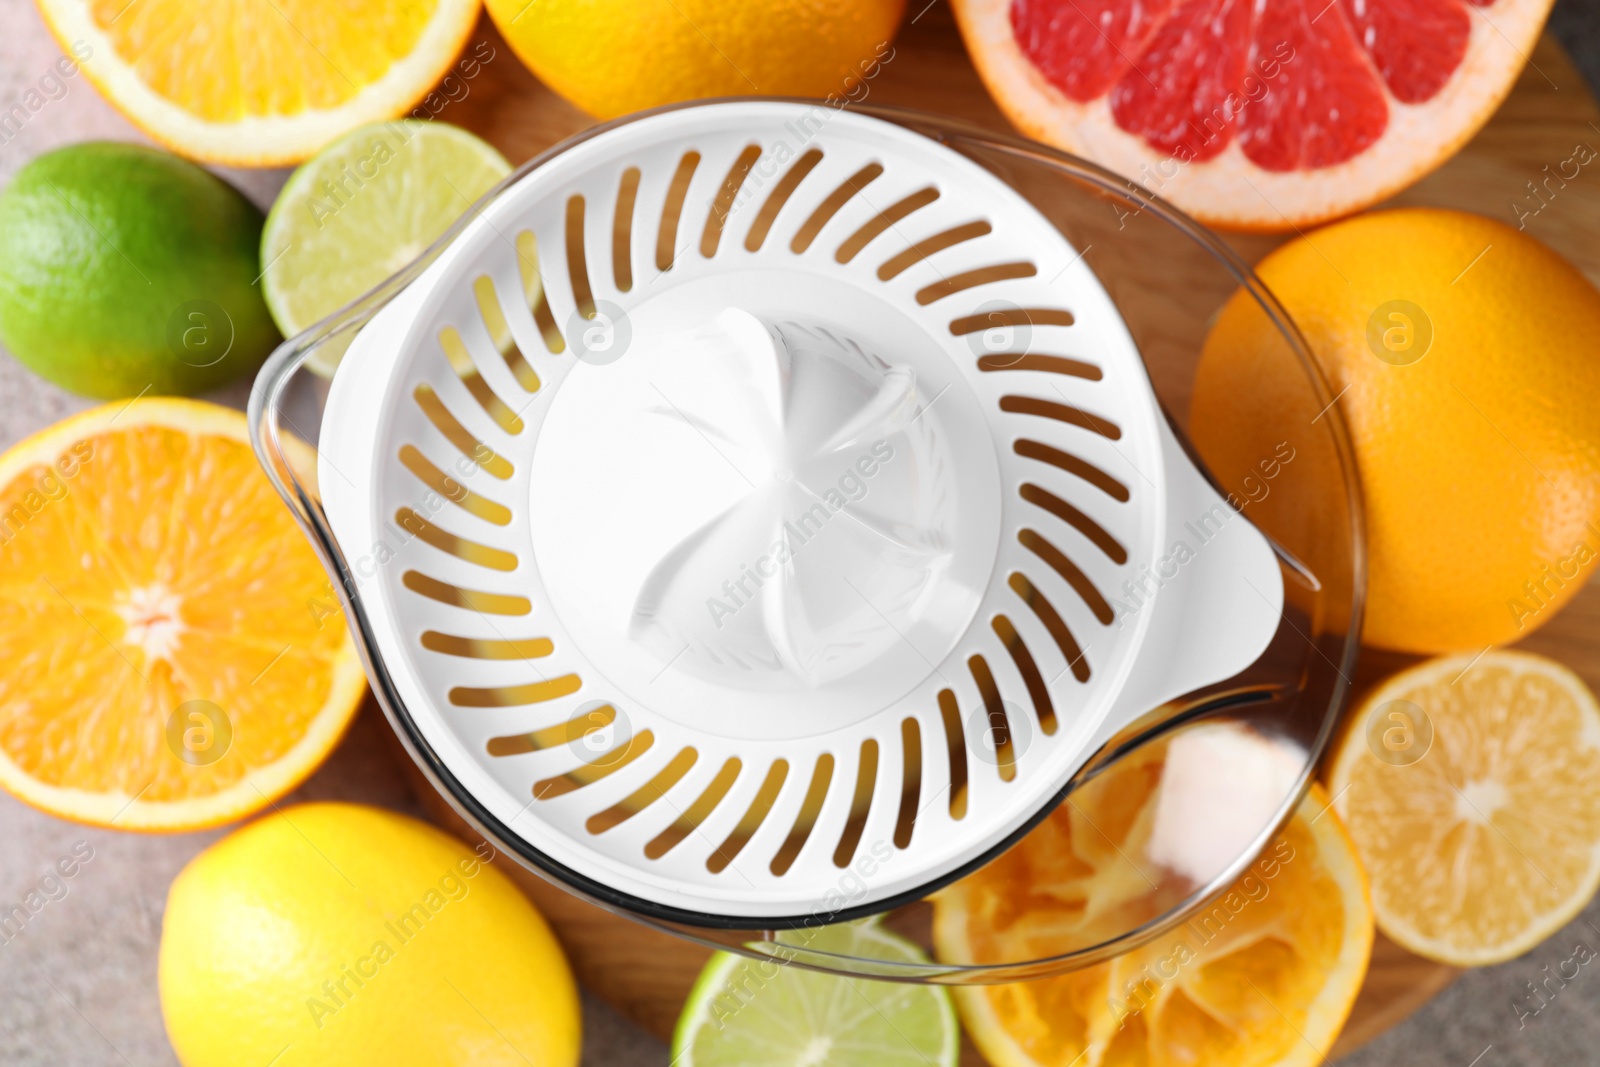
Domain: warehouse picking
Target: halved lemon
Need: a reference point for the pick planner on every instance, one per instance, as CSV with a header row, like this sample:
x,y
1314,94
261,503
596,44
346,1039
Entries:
x,y
1468,785
1264,975
174,654
259,82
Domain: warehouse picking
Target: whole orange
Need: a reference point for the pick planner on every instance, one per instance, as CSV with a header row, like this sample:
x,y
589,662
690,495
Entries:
x,y
610,57
1463,356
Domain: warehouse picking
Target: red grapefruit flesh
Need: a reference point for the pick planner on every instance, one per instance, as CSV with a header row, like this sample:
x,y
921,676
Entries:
x,y
1254,114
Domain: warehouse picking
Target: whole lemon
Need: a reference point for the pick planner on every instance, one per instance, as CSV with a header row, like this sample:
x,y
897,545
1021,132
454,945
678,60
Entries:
x,y
125,270
610,57
1463,355
335,935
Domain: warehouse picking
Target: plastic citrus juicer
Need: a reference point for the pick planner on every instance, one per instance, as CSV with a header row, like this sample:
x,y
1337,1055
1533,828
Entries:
x,y
757,516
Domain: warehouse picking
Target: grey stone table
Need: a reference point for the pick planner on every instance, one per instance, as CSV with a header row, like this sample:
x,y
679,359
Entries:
x,y
78,981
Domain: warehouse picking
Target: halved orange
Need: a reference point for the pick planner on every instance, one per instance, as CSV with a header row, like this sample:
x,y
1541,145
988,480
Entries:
x,y
1254,114
174,654
262,83
1263,976
1469,785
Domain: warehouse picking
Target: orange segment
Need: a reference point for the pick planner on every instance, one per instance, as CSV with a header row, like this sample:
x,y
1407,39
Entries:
x,y
147,563
1263,975
1469,789
258,82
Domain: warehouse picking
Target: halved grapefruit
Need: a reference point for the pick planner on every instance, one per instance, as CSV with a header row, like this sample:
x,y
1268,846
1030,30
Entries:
x,y
1254,114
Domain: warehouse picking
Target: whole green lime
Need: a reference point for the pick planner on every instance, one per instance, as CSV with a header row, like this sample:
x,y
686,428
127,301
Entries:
x,y
124,269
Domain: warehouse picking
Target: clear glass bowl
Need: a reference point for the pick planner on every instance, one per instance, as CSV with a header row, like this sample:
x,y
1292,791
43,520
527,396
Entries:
x,y
1170,278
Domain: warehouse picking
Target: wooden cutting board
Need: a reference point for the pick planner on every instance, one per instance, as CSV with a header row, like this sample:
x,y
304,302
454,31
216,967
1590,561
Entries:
x,y
646,974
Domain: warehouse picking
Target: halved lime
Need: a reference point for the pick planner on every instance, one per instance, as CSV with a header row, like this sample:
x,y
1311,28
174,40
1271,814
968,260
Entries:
x,y
746,1012
363,208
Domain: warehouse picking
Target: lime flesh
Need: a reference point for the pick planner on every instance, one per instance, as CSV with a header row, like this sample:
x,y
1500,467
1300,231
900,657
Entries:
x,y
746,1012
361,210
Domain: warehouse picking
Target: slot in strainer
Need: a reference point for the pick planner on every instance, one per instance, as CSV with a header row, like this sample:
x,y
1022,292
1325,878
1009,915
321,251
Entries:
x,y
754,486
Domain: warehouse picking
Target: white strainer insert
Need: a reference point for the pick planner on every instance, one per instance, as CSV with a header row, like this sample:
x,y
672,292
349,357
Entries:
x,y
763,512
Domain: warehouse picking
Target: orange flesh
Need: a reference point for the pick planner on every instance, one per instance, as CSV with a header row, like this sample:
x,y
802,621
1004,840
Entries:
x,y
142,569
237,59
1264,975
